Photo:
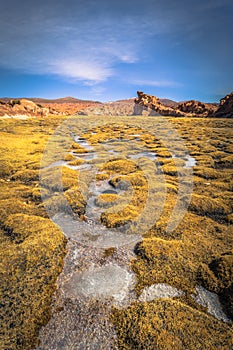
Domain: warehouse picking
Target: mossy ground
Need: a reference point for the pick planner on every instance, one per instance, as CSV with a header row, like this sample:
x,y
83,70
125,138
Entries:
x,y
168,325
32,247
197,252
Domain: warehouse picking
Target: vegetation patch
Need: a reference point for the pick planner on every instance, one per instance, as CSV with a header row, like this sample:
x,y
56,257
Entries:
x,y
168,325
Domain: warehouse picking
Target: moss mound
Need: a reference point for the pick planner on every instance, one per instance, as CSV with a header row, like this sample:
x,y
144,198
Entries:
x,y
217,276
168,325
29,268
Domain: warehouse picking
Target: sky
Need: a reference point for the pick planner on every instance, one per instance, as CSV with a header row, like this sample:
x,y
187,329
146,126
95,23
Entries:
x,y
107,50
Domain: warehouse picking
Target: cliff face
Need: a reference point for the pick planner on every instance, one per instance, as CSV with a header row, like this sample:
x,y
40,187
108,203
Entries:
x,y
225,107
185,109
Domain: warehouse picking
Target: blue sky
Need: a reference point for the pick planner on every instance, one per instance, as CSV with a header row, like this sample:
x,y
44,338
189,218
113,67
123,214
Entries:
x,y
107,50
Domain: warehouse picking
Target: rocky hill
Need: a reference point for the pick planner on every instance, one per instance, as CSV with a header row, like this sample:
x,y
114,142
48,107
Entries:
x,y
43,107
23,108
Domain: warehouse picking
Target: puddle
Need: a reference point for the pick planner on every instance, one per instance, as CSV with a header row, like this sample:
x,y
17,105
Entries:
x,y
149,155
112,151
86,156
93,211
109,281
82,142
189,161
64,163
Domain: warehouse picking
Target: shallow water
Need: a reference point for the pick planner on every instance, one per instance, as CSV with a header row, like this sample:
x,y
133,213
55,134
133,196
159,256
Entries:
x,y
189,160
149,155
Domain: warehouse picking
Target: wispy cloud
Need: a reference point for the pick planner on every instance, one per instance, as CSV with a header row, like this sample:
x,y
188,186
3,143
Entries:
x,y
155,83
75,46
74,69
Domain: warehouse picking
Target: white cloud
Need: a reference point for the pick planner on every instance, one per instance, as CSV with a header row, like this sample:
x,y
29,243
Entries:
x,y
75,69
155,83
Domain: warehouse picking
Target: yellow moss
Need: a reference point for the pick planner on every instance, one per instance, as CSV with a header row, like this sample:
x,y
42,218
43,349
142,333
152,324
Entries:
x,y
203,205
101,177
76,162
76,200
69,178
121,216
208,173
76,148
122,166
28,273
109,252
169,325
107,200
69,157
161,261
26,176
32,257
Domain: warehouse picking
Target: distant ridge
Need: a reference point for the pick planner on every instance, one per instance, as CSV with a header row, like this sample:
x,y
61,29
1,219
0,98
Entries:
x,y
67,99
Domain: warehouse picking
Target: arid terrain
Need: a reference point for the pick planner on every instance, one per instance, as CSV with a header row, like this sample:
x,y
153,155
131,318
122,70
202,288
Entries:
x,y
115,233
39,106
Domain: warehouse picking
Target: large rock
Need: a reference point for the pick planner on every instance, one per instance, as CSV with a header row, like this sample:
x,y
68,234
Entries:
x,y
225,107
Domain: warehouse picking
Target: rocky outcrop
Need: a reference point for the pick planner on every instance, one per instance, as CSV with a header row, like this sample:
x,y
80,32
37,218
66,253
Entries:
x,y
185,109
24,108
198,108
225,107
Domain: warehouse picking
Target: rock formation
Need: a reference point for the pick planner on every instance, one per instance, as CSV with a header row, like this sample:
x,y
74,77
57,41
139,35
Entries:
x,y
185,109
225,107
23,107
